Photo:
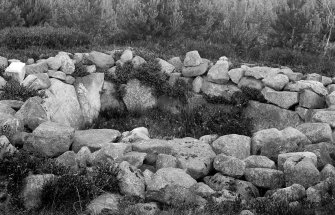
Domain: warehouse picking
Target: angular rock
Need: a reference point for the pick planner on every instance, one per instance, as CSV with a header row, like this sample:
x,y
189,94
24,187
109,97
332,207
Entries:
x,y
130,180
16,70
236,74
88,90
233,145
177,63
202,189
192,58
258,161
282,99
324,116
278,82
6,148
36,68
195,70
113,152
101,60
52,139
54,63
138,96
137,61
314,86
250,82
301,170
167,68
314,77
165,161
105,201
326,80
6,109
328,172
219,73
266,116
83,157
261,72
67,65
316,132
68,159
229,166
61,104
94,139
38,81
217,90
323,152
134,158
311,100
32,114
282,158
292,193
57,74
32,190
10,125
127,55
265,178
209,139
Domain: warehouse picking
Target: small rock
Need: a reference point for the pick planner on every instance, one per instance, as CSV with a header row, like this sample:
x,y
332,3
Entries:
x,y
233,145
127,55
192,58
229,165
16,70
278,82
258,161
165,161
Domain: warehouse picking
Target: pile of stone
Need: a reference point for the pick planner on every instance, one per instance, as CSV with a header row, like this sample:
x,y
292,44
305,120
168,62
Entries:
x,y
290,154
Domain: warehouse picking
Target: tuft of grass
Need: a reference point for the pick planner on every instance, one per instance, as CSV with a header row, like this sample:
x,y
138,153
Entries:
x,y
80,70
13,90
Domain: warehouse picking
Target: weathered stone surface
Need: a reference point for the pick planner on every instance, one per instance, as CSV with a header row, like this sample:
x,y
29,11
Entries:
x,y
69,79
52,139
16,70
101,60
272,142
192,58
314,86
112,152
138,61
250,82
57,74
107,201
94,139
39,81
202,189
2,82
197,84
54,63
265,178
225,91
3,62
236,74
324,116
330,100
219,73
83,157
195,70
311,100
303,112
61,104
282,158
233,145
229,165
167,68
261,72
282,99
68,159
166,161
209,139
10,124
6,109
258,161
301,170
314,77
293,76
277,82
134,158
323,152
290,194
32,190
130,180
67,65
316,132
269,116
108,97
36,68
127,55
5,147
32,114
88,90
326,80
328,172
177,63
137,134
138,96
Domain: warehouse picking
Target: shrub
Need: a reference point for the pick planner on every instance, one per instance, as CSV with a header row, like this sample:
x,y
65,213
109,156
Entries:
x,y
10,14
13,90
34,12
80,70
57,38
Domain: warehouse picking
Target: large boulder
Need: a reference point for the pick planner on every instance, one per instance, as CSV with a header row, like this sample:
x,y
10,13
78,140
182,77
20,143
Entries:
x,y
52,139
282,99
230,166
217,90
219,73
282,158
62,105
266,116
88,90
311,100
301,170
272,142
316,132
94,139
265,178
32,113
100,59
233,145
16,70
138,97
235,75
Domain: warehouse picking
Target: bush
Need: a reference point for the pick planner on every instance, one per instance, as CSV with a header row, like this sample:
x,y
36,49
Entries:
x,y
13,90
80,70
49,37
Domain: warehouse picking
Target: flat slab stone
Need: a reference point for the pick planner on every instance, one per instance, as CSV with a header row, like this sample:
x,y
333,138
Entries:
x,y
282,99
